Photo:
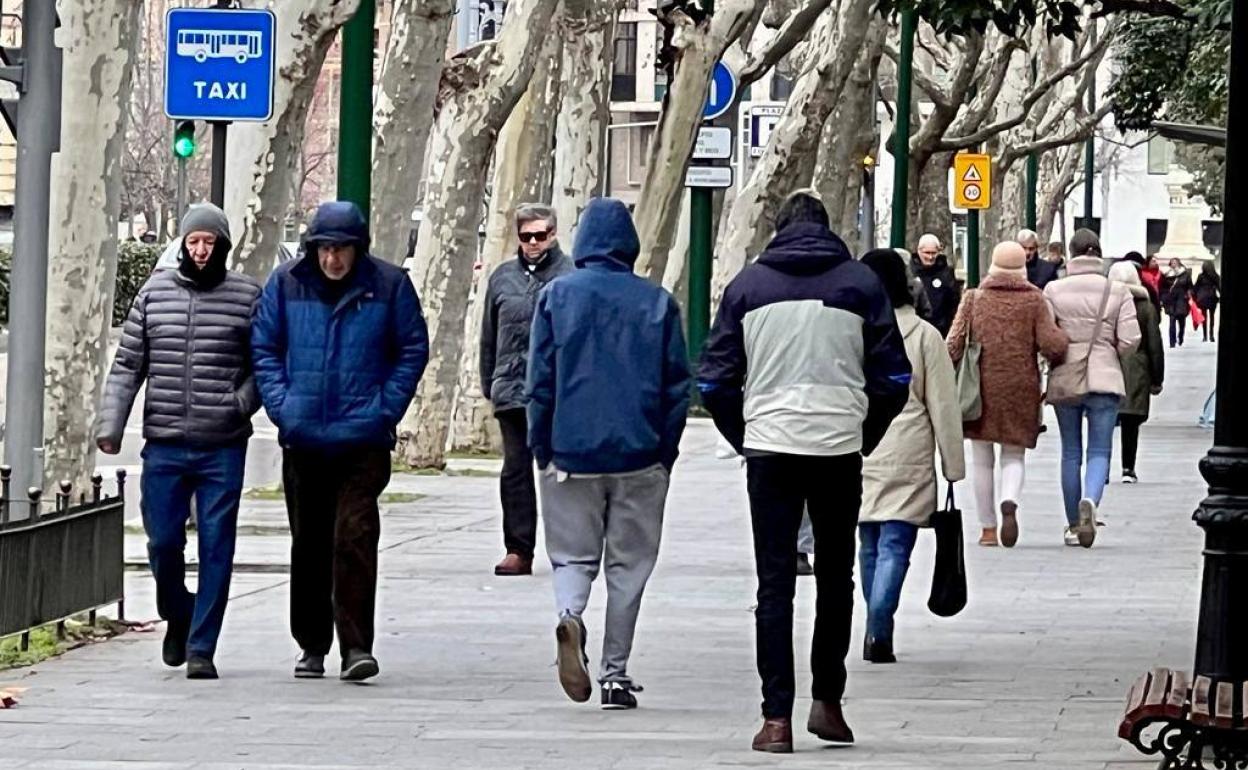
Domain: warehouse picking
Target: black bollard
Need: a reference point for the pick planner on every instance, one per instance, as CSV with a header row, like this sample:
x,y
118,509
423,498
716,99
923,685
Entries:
x,y
97,487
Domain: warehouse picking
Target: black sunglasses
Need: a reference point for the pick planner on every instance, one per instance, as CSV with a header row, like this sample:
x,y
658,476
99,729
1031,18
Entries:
x,y
538,237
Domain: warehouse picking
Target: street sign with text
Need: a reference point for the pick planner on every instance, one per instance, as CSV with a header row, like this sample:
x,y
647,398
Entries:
x,y
972,181
717,177
714,143
219,64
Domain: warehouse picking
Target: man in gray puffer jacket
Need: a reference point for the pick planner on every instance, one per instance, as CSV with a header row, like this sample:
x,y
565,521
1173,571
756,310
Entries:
x,y
509,302
188,338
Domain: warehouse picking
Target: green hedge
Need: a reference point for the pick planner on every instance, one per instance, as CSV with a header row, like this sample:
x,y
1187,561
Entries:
x,y
134,264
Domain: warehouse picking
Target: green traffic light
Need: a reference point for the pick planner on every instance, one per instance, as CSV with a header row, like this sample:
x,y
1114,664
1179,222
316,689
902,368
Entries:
x,y
184,140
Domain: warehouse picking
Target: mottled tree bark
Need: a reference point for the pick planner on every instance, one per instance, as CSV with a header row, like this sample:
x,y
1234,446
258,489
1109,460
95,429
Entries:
x,y
98,39
479,89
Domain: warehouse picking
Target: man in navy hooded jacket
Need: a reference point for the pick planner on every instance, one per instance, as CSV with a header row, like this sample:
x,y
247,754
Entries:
x,y
608,393
339,344
803,372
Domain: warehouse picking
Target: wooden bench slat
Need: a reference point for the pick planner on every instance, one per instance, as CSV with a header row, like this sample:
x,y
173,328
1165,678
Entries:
x,y
1176,703
1224,711
1158,690
1200,702
1135,701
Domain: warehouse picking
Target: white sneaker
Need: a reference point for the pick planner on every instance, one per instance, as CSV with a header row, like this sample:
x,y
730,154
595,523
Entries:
x,y
1070,537
1085,530
1129,477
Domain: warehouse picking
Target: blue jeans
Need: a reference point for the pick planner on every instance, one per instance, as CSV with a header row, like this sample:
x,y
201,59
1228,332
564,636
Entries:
x,y
884,558
173,472
1101,410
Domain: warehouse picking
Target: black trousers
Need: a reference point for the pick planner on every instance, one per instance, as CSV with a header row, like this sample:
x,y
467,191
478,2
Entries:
x,y
1178,324
1130,438
780,487
331,498
516,486
1207,329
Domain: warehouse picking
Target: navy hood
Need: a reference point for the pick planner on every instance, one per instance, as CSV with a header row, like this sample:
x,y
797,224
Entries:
x,y
338,222
805,248
606,233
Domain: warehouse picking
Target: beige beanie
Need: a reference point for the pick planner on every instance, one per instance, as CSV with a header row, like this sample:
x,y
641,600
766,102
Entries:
x,y
1009,260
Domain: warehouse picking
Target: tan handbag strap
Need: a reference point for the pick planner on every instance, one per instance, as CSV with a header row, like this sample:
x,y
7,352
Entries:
x,y
1100,317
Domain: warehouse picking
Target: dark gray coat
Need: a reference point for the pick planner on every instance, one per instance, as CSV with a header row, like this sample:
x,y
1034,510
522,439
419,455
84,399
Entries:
x,y
193,349
509,302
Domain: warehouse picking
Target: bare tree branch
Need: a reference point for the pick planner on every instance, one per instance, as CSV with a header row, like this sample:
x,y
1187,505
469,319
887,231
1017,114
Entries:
x,y
1092,56
794,31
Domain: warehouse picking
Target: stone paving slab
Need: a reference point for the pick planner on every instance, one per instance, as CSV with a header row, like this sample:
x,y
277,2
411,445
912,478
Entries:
x,y
1033,673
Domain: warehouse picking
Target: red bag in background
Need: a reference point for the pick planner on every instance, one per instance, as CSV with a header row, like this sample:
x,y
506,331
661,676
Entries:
x,y
1198,315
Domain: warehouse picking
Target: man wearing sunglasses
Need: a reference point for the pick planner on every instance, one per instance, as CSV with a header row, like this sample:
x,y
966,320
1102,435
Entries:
x,y
510,299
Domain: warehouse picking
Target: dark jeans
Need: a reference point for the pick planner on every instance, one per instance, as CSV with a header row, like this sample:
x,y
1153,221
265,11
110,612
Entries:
x,y
516,486
331,498
173,472
884,558
1207,328
1178,324
830,488
1130,438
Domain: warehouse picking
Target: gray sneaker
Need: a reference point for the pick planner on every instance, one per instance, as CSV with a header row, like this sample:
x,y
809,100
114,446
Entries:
x,y
358,666
1085,530
573,665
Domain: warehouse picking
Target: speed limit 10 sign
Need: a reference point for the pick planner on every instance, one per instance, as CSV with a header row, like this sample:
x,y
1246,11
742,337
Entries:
x,y
972,181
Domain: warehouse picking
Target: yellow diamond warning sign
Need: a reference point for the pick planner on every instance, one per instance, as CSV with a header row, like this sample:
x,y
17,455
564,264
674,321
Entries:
x,y
972,181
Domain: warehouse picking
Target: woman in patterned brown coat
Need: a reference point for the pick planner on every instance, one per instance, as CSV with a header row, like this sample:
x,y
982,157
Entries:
x,y
1010,320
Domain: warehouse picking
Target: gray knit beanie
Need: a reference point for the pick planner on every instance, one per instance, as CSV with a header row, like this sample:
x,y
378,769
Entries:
x,y
205,218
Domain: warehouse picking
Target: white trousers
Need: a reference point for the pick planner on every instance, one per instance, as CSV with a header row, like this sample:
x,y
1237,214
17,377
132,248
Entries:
x,y
983,467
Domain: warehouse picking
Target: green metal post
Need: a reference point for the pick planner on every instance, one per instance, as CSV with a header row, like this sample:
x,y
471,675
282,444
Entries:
x,y
355,116
700,246
972,248
1033,181
1089,158
901,134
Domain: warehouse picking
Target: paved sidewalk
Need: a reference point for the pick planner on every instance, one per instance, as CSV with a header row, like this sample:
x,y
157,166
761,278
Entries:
x,y
1033,673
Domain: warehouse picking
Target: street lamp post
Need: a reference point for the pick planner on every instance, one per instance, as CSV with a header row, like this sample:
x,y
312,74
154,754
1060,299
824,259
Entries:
x,y
1202,719
901,131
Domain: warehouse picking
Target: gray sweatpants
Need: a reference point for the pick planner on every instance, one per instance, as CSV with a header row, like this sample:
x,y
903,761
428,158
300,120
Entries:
x,y
622,513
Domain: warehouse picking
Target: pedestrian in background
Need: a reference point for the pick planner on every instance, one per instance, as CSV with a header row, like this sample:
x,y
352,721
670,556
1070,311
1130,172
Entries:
x,y
803,372
1099,317
1150,279
1040,272
1057,256
1207,292
899,478
608,393
1009,319
187,338
339,345
1176,292
509,301
1143,368
940,285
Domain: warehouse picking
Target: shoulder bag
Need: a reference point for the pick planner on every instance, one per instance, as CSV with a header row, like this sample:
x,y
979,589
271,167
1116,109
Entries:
x,y
969,399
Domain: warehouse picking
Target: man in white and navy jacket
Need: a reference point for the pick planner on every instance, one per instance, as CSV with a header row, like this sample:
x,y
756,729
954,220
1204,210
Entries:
x,y
804,370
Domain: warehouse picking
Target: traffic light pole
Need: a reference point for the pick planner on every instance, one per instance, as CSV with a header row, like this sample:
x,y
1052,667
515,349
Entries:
x,y
181,201
38,134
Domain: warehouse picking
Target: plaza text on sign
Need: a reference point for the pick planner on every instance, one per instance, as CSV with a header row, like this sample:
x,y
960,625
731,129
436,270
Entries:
x,y
219,64
972,181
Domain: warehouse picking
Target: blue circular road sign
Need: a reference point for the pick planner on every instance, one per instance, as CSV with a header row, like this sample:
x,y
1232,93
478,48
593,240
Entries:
x,y
722,93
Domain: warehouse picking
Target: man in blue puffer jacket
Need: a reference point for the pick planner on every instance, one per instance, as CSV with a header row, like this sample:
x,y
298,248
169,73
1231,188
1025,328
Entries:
x,y
608,393
339,344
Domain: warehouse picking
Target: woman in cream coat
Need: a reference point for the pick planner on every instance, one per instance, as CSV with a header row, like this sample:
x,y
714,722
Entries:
x,y
899,489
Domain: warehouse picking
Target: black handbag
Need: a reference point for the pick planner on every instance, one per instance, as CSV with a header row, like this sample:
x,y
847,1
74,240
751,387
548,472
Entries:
x,y
949,575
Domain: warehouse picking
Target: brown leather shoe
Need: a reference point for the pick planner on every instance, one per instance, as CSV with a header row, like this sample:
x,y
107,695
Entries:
x,y
776,737
828,723
514,564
